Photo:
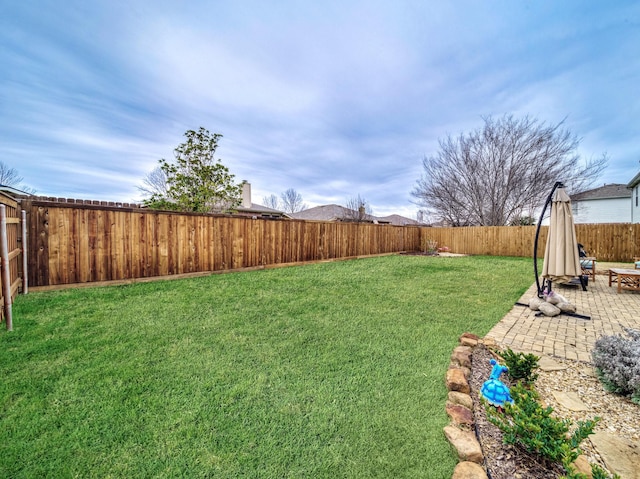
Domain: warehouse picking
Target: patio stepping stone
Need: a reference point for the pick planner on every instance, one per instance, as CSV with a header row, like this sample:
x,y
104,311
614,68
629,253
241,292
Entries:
x,y
619,455
547,363
570,400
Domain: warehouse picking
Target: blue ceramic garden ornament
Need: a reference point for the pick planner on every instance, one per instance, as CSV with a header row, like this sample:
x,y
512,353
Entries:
x,y
494,390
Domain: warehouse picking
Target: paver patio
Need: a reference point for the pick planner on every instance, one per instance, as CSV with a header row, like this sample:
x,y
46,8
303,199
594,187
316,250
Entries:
x,y
566,336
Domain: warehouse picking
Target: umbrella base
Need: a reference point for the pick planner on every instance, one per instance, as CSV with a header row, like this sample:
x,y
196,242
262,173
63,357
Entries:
x,y
567,313
579,281
583,281
573,315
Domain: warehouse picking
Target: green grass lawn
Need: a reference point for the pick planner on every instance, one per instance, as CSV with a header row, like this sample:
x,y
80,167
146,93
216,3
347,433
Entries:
x,y
332,370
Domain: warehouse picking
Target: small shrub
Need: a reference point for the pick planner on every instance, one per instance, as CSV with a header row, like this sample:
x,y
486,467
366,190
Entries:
x,y
617,361
598,473
521,366
526,423
430,246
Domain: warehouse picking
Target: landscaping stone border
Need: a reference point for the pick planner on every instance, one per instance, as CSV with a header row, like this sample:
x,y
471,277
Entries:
x,y
460,432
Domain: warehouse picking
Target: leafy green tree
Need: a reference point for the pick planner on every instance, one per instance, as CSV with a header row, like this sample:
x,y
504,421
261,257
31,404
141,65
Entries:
x,y
196,181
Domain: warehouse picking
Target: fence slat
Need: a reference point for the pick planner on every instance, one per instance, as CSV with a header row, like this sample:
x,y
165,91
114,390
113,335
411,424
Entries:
x,y
6,275
25,276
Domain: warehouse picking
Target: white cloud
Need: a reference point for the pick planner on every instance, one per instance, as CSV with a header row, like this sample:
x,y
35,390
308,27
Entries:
x,y
332,99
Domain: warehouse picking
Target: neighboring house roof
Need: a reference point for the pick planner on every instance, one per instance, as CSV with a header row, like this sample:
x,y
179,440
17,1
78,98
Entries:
x,y
634,182
248,208
614,190
323,213
606,204
14,191
260,210
341,213
399,220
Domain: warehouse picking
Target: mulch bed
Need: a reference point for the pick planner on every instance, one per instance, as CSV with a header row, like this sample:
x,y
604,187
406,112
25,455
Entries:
x,y
502,461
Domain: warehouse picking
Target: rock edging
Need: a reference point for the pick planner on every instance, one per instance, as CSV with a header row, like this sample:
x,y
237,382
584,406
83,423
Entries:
x,y
460,432
459,407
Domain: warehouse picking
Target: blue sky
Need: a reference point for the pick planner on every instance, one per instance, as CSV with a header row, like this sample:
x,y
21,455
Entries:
x,y
334,99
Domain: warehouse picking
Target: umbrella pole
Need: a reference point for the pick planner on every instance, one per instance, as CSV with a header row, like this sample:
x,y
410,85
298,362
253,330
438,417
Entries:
x,y
583,282
535,243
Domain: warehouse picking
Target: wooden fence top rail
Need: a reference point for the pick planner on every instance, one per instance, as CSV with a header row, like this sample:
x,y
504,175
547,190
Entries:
x,y
78,202
8,200
129,207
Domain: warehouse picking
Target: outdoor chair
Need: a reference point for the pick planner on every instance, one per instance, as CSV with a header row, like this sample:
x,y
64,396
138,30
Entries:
x,y
587,263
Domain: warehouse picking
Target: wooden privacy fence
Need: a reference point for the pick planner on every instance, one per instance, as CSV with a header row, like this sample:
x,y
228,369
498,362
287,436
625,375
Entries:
x,y
12,256
79,243
75,242
615,242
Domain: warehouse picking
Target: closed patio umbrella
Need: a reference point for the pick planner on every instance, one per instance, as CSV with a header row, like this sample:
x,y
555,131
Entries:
x,y
561,259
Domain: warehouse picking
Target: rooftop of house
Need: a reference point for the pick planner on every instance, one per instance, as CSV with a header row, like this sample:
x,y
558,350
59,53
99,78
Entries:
x,y
335,212
261,210
634,182
400,220
14,191
247,207
323,213
614,190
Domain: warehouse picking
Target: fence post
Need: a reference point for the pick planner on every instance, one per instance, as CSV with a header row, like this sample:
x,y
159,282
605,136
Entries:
x,y
6,275
25,276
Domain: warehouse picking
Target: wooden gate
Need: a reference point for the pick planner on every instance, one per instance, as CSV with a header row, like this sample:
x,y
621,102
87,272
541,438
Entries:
x,y
13,256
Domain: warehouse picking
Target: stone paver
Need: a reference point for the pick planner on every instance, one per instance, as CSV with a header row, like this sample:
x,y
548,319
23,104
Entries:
x,y
619,455
567,336
546,363
570,400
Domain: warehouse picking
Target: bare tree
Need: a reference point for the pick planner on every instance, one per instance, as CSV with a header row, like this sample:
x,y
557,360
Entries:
x,y
155,183
502,171
358,209
292,201
9,176
271,202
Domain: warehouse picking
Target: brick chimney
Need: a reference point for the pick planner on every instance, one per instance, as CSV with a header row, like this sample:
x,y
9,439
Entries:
x,y
246,194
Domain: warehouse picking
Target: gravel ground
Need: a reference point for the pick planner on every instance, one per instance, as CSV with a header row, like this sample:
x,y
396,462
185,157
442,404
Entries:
x,y
619,416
